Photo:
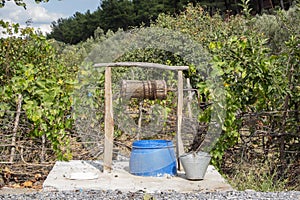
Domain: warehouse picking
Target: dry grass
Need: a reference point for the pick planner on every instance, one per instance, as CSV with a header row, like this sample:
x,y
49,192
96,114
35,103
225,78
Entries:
x,y
259,177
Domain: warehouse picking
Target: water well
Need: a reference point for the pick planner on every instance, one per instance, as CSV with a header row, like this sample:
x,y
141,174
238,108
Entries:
x,y
147,159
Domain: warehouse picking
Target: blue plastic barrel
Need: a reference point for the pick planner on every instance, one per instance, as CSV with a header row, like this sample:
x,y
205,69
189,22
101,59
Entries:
x,y
152,158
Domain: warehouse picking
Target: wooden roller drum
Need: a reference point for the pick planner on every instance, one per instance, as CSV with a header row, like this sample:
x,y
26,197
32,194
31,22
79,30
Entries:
x,y
151,89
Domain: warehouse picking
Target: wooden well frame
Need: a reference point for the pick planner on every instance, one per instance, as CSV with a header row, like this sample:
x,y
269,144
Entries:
x,y
109,119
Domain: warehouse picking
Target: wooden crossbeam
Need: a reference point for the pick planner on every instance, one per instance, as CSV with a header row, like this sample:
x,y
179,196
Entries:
x,y
142,65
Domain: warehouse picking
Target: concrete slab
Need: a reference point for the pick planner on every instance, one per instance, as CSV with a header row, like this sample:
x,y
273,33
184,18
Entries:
x,y
89,175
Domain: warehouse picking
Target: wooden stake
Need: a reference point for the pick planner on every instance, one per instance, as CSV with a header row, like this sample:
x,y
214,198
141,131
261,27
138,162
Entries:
x,y
15,130
140,119
109,122
179,143
190,97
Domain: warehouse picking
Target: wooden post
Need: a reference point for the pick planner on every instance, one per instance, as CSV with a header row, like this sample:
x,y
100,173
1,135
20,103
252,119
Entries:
x,y
15,129
179,143
109,122
190,97
140,119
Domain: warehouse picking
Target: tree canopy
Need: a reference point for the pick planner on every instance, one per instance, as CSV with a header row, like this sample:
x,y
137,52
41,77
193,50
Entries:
x,y
116,14
19,2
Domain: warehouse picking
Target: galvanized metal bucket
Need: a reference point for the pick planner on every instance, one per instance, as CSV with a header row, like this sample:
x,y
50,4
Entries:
x,y
195,164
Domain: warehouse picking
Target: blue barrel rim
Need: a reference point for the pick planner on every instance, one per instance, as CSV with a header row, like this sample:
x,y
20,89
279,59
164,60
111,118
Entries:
x,y
154,144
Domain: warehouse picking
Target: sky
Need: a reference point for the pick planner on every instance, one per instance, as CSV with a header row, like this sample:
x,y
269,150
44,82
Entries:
x,y
41,15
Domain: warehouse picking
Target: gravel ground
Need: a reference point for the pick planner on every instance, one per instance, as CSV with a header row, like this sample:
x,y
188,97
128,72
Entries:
x,y
290,195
